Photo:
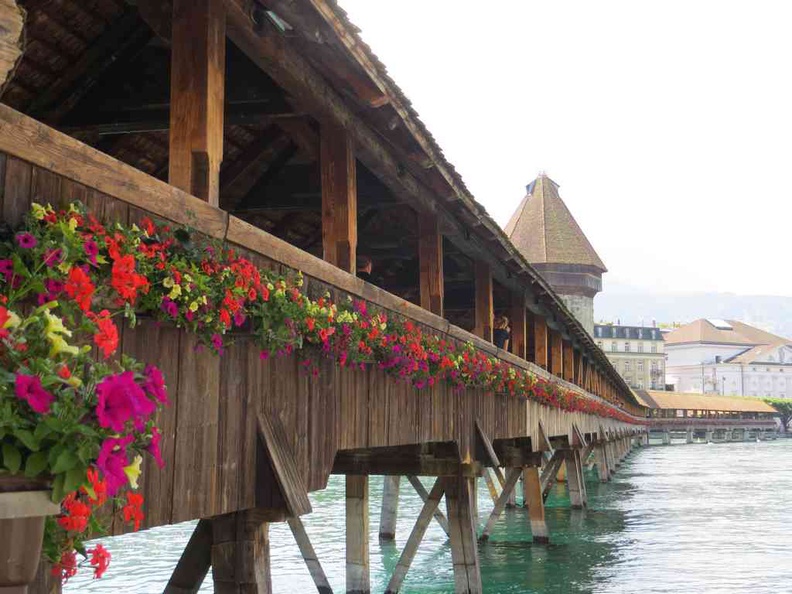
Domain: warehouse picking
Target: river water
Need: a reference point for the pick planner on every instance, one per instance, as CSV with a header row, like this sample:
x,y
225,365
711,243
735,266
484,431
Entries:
x,y
682,518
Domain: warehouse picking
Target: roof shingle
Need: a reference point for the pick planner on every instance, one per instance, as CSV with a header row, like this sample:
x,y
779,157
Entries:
x,y
544,230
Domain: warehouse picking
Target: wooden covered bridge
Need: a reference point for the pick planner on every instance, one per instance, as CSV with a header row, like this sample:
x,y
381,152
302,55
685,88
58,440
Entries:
x,y
270,124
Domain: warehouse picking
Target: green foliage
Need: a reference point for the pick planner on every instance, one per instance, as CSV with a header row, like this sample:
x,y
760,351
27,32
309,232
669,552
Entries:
x,y
784,408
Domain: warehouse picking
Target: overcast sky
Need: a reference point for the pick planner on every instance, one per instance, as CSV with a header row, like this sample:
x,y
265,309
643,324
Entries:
x,y
667,124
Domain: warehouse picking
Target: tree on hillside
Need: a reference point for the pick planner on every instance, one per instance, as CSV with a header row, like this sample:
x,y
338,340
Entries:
x,y
784,408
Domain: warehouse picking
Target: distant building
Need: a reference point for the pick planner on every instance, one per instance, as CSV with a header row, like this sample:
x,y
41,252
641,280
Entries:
x,y
546,233
728,357
636,352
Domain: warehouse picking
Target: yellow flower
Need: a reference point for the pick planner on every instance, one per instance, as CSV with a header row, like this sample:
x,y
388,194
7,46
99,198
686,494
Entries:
x,y
194,306
175,292
168,283
60,346
55,325
13,320
74,381
73,224
39,212
133,471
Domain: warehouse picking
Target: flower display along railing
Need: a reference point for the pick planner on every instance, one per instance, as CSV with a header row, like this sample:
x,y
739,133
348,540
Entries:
x,y
79,415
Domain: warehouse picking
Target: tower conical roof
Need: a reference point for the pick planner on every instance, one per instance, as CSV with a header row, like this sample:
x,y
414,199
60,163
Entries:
x,y
544,230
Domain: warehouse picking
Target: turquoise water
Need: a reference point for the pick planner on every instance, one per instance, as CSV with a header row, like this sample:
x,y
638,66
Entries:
x,y
683,518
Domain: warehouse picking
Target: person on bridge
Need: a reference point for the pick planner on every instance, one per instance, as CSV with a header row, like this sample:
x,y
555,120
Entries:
x,y
501,333
364,266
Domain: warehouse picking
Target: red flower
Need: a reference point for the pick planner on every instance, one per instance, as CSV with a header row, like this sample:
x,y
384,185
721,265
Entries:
x,y
107,337
66,567
99,560
99,488
79,287
75,516
133,510
125,280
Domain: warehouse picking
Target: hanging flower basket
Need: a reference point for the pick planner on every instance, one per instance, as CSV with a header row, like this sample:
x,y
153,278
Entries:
x,y
24,506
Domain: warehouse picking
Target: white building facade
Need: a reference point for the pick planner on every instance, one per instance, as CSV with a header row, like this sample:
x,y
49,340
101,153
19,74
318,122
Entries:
x,y
730,358
636,352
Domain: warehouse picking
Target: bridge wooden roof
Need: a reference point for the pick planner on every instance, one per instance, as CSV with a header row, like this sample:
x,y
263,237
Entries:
x,y
686,401
99,71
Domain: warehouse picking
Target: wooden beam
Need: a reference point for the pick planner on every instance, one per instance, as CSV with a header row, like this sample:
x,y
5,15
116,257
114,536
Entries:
x,y
575,481
273,438
512,476
339,197
197,94
569,361
357,535
541,349
194,562
462,525
238,178
439,516
241,554
483,301
416,536
493,490
260,190
124,37
489,452
390,507
534,501
12,24
430,257
556,353
309,556
518,325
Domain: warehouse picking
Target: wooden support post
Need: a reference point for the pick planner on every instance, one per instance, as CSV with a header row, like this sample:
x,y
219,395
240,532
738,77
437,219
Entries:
x,y
579,368
540,342
240,554
602,463
512,476
490,453
556,353
534,501
339,198
518,325
357,535
464,547
569,361
493,490
390,507
416,536
439,516
194,563
430,258
550,472
197,97
576,485
483,301
309,555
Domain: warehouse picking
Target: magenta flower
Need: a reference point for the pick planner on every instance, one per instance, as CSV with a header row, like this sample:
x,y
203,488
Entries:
x,y
169,307
153,448
26,240
121,399
155,384
217,343
91,250
53,257
111,462
29,389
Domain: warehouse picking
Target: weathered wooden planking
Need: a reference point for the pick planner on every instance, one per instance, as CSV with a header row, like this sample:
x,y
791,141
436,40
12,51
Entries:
x,y
232,413
16,190
195,467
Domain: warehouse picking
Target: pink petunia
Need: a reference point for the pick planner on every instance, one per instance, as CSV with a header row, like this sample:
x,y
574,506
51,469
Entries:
x,y
91,250
111,462
155,384
29,389
121,399
53,257
154,447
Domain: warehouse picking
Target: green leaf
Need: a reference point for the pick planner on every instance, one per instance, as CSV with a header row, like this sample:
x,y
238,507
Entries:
x,y
41,431
75,478
35,464
57,489
27,438
66,461
12,459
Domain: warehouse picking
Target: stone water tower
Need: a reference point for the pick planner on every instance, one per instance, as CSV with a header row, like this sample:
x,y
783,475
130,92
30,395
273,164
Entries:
x,y
546,233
